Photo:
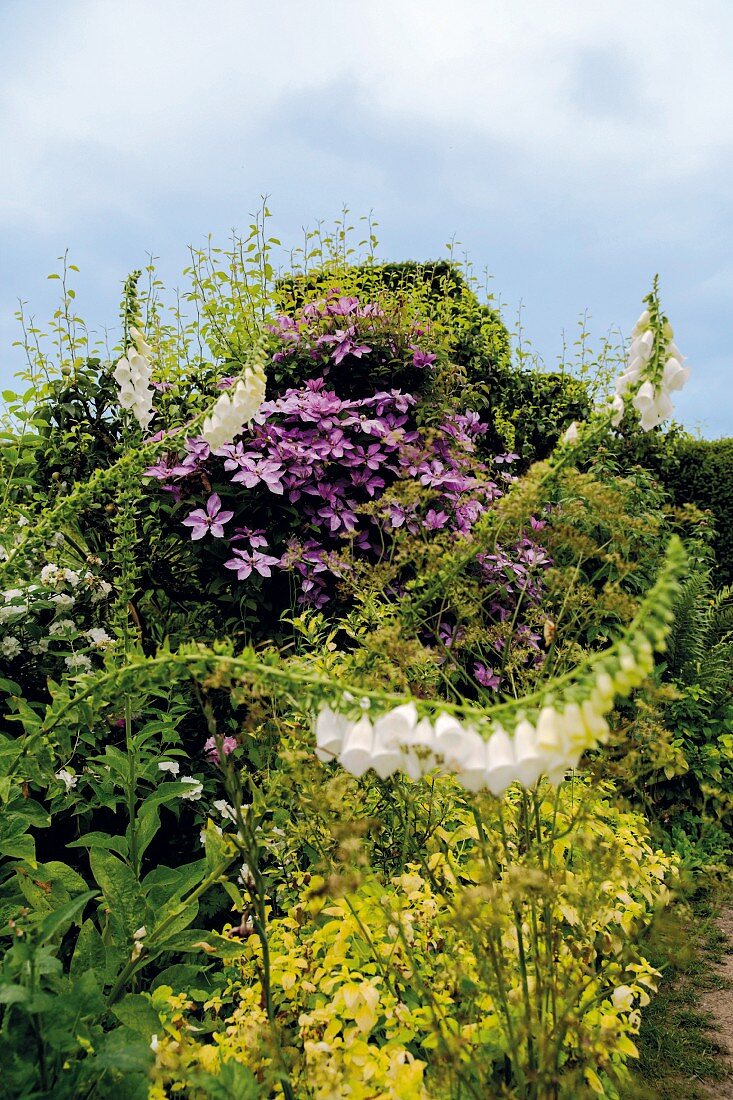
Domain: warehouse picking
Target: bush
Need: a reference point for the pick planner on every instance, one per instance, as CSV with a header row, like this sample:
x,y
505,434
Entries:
x,y
198,883
702,474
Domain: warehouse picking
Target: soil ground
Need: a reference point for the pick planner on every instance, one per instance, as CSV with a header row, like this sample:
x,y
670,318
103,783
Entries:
x,y
719,1003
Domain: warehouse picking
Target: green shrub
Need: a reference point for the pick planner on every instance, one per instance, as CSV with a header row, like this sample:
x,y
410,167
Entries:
x,y
702,474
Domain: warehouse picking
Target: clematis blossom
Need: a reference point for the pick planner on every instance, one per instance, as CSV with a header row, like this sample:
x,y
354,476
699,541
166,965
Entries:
x,y
211,519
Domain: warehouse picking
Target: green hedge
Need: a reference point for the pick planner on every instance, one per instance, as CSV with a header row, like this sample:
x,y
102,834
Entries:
x,y
702,474
527,410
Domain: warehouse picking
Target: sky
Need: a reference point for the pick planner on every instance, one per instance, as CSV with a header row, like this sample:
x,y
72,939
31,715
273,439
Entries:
x,y
572,147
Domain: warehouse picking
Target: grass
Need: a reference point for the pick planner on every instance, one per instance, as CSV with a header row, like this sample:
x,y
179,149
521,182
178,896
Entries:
x,y
680,1056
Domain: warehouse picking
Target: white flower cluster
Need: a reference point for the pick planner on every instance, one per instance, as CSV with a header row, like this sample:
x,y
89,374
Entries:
x,y
551,745
61,589
235,408
660,371
132,374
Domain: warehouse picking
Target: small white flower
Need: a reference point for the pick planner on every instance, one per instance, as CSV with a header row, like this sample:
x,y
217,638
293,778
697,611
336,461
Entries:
x,y
171,766
226,811
154,1044
61,626
13,594
63,601
10,646
99,637
22,521
68,780
12,611
39,647
623,998
196,789
141,933
101,591
78,661
59,538
71,577
245,876
49,574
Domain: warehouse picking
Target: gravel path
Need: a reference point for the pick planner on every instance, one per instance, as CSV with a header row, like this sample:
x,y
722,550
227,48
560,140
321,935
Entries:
x,y
719,1002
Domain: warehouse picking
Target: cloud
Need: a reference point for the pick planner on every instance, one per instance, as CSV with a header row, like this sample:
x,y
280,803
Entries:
x,y
123,101
574,147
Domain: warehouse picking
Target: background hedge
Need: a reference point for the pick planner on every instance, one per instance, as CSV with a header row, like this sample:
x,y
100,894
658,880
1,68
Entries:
x,y
702,473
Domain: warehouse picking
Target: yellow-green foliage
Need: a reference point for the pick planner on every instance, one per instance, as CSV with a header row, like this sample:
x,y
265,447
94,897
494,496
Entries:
x,y
413,986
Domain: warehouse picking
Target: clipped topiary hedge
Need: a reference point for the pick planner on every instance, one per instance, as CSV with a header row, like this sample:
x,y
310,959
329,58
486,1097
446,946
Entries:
x,y
702,474
527,410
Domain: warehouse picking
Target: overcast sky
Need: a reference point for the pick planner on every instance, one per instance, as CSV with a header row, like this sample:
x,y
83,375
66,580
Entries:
x,y
574,148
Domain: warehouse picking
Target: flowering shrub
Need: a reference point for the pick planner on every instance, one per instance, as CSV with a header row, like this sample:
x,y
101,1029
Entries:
x,y
312,646
340,469
435,1022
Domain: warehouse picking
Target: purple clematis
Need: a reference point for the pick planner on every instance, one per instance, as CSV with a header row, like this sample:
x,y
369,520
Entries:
x,y
212,519
245,561
487,677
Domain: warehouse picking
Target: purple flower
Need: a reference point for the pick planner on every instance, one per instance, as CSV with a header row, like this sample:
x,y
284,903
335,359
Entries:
x,y
346,343
245,561
341,307
399,516
228,745
213,519
256,539
434,521
510,456
420,358
486,677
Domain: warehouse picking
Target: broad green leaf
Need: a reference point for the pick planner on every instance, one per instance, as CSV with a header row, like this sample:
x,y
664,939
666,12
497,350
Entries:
x,y
61,918
136,1012
89,952
119,886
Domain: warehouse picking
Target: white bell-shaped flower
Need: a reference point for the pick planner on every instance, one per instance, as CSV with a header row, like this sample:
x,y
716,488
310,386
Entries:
x,y
530,763
330,731
618,408
419,750
595,724
387,756
449,737
471,773
642,324
675,375
396,724
500,768
356,754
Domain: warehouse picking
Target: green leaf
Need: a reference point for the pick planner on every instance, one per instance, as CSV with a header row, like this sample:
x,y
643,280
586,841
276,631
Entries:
x,y
233,1082
100,840
118,1053
216,846
62,917
119,886
89,952
148,823
178,916
136,1012
20,847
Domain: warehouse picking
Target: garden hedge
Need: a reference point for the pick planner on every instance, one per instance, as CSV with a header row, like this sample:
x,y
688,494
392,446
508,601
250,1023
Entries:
x,y
528,410
702,474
